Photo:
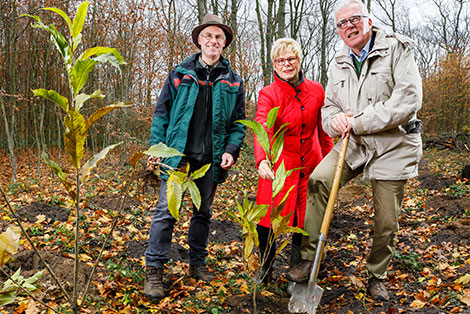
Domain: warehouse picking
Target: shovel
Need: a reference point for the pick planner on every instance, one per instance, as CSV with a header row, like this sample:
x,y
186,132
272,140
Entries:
x,y
306,296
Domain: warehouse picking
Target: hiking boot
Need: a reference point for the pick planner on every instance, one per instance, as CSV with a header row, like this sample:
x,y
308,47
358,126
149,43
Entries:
x,y
153,285
200,272
377,289
301,272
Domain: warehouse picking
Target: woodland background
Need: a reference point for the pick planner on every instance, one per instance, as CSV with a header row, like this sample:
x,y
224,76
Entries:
x,y
153,36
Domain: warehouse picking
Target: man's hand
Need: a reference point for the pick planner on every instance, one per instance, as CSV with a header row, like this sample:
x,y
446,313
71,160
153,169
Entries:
x,y
227,161
152,161
342,123
265,171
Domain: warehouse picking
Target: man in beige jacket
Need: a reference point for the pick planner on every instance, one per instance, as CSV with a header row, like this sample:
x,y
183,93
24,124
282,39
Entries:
x,y
374,92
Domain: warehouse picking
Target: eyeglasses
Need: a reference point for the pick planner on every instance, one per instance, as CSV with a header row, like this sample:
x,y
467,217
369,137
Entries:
x,y
355,19
209,37
282,61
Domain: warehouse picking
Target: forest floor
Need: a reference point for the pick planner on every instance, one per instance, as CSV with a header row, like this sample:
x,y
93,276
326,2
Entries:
x,y
430,271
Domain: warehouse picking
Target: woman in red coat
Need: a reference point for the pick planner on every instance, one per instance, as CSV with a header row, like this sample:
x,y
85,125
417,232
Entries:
x,y
305,143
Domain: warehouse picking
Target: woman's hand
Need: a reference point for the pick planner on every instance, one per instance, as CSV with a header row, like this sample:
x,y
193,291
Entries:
x,y
265,171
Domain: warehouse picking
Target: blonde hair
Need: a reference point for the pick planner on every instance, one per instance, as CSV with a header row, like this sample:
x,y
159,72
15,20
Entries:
x,y
286,44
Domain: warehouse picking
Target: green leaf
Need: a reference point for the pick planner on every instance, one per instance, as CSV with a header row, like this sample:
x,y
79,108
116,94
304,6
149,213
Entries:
x,y
200,172
53,96
276,211
88,167
64,16
81,98
79,19
7,297
272,115
282,246
75,137
278,146
174,195
98,51
57,39
9,242
280,224
61,176
260,133
256,212
194,193
279,179
163,151
111,58
80,72
297,230
28,282
101,112
281,129
76,41
248,247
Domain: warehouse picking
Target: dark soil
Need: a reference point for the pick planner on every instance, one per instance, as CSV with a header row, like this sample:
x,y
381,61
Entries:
x,y
35,209
62,266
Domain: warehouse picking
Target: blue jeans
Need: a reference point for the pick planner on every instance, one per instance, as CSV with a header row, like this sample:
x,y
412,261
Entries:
x,y
161,228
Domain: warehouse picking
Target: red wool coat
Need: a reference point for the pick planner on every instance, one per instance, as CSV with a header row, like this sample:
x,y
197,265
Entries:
x,y
305,142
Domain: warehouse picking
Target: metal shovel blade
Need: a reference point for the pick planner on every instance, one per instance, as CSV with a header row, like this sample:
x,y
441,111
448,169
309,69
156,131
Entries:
x,y
305,299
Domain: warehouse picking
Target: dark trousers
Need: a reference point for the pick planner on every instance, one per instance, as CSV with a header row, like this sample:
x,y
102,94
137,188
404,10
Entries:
x,y
161,228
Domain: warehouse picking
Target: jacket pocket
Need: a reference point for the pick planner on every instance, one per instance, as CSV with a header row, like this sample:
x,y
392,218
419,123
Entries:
x,y
380,84
341,93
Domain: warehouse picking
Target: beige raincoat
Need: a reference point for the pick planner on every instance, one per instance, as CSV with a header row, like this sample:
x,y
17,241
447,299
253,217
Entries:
x,y
383,100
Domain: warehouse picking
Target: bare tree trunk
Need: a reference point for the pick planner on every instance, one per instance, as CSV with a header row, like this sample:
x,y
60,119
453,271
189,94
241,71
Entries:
x,y
234,25
296,16
11,145
326,7
266,40
281,19
201,10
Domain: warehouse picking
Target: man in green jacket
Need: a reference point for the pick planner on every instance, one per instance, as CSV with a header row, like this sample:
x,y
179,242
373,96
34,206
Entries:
x,y
374,93
195,114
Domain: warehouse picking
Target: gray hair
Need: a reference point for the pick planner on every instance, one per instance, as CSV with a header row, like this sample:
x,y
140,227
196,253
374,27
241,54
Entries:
x,y
286,44
345,3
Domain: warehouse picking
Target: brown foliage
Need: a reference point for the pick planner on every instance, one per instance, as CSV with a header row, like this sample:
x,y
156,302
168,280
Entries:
x,y
446,105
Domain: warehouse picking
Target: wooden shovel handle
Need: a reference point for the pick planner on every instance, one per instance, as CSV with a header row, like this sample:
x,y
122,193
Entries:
x,y
334,187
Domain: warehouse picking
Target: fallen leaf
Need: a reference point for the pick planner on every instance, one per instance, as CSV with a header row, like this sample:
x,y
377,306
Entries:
x,y
40,218
357,282
466,297
267,293
32,308
417,304
463,280
9,241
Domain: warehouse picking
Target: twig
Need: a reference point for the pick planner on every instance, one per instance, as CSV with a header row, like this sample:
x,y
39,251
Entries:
x,y
18,221
27,291
364,304
77,238
115,221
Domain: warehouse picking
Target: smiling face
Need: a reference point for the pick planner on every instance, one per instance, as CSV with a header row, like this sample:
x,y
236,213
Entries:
x,y
354,36
289,67
212,42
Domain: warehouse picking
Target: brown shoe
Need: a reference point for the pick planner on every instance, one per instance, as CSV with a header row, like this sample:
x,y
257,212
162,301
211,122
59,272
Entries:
x,y
200,272
301,272
153,285
377,289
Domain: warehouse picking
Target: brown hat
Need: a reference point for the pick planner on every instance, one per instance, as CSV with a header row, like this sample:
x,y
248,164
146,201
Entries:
x,y
209,20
